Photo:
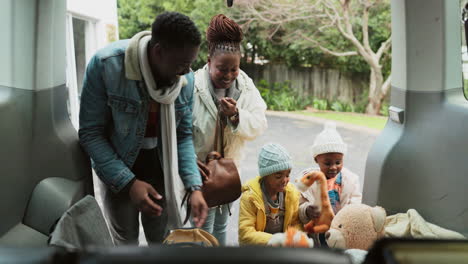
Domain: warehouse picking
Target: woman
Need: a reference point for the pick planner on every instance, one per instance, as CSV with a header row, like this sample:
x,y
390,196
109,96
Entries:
x,y
221,86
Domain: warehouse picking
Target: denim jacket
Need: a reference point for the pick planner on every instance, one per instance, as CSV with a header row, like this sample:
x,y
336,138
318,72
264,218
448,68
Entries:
x,y
113,117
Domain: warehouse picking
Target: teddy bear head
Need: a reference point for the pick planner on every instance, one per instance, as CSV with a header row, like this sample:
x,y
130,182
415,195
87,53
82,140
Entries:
x,y
356,226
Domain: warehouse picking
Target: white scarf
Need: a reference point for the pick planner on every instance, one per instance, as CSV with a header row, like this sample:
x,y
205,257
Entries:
x,y
173,184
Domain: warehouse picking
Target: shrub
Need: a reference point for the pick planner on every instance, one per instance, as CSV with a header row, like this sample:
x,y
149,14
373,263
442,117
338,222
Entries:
x,y
384,108
280,96
320,104
361,103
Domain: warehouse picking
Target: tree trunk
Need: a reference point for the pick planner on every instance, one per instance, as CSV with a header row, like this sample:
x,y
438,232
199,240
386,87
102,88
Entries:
x,y
254,53
375,92
246,55
373,107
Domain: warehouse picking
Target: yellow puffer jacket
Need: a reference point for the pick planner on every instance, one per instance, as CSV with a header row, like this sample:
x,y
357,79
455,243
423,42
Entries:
x,y
252,217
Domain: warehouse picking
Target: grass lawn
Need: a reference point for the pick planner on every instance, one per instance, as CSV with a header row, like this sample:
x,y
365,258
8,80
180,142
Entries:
x,y
376,122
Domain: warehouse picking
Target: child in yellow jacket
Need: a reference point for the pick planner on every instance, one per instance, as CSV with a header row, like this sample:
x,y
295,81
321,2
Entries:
x,y
269,203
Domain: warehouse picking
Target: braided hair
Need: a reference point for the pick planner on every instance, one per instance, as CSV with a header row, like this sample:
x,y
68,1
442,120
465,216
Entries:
x,y
223,35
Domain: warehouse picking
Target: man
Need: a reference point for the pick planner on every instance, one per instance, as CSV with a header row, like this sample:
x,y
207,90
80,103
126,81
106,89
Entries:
x,y
136,125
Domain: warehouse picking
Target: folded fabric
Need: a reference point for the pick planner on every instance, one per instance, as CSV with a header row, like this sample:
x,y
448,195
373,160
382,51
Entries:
x,y
81,225
412,224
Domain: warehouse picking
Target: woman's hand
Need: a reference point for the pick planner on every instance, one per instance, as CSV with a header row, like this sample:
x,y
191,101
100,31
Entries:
x,y
228,106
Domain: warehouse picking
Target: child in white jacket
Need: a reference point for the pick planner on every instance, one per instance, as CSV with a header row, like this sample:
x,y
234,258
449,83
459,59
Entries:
x,y
343,185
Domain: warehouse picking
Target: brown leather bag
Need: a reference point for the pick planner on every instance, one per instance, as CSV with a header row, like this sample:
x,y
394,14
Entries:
x,y
221,182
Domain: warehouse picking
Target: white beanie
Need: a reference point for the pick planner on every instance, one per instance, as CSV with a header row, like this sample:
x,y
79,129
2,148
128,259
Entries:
x,y
328,141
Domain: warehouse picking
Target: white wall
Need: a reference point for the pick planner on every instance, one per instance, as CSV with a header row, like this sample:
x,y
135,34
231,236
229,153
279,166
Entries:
x,y
91,25
104,12
103,9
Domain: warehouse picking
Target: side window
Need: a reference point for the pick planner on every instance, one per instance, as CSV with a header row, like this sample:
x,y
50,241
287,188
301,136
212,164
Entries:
x,y
81,44
464,50
79,40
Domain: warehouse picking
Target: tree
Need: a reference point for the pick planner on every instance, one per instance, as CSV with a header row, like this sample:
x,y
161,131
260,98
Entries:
x,y
138,15
324,24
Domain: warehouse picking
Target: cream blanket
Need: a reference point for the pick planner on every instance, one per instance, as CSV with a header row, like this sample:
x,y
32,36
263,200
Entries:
x,y
412,224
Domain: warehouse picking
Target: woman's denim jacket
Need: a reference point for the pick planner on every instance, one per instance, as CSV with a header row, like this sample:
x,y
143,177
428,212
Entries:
x,y
113,116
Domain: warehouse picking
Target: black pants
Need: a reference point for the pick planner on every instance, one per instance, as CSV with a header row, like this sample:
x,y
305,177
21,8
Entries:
x,y
121,213
147,167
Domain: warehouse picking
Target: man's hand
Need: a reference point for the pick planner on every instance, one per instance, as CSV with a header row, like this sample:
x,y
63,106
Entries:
x,y
199,208
228,106
312,212
140,192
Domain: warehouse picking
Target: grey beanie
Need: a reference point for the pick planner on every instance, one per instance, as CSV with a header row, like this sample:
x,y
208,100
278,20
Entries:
x,y
273,158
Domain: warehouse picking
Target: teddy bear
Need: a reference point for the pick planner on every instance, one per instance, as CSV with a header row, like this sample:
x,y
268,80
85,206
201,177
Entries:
x,y
356,226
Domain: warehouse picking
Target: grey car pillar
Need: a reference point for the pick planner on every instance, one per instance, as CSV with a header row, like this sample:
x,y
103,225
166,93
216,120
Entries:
x,y
420,160
42,167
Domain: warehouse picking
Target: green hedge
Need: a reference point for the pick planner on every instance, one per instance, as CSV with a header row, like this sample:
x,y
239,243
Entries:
x,y
280,97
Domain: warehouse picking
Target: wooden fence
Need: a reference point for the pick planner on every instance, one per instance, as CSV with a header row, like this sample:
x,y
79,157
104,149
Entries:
x,y
327,84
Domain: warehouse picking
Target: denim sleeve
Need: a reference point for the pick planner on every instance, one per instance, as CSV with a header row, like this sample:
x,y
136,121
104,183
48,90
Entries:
x,y
188,169
95,120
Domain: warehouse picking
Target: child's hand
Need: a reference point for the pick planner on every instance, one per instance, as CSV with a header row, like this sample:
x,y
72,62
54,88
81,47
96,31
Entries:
x,y
277,240
312,212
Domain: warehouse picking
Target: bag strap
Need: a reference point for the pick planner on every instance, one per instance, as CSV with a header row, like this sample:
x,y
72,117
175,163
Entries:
x,y
229,209
189,208
219,134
